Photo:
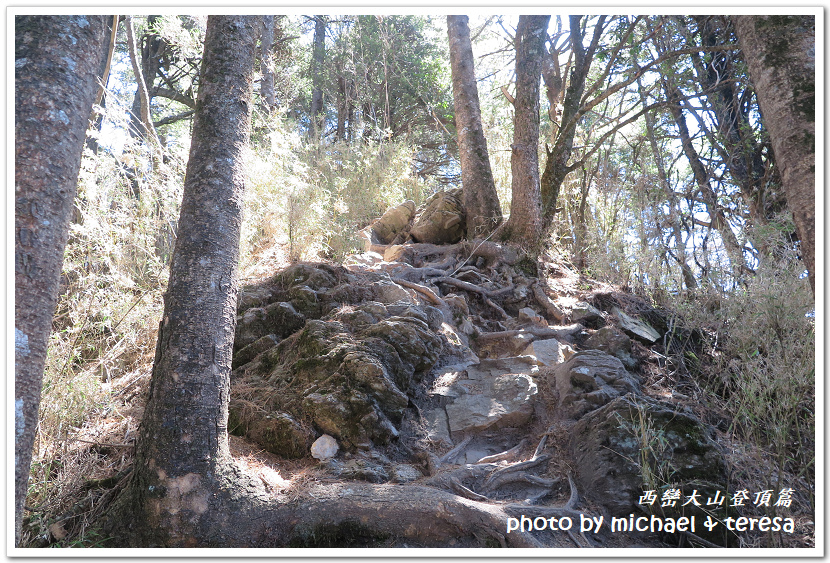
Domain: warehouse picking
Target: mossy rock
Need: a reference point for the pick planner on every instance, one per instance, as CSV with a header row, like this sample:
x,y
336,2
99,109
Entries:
x,y
637,443
347,375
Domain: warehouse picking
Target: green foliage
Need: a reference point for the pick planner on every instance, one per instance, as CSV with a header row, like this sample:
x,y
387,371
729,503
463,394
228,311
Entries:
x,y
764,373
314,197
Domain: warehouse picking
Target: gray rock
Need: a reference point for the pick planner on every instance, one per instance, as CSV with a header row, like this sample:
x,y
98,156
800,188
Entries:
x,y
585,313
528,315
251,351
614,343
518,344
388,292
491,367
325,447
437,426
588,380
499,401
636,327
276,432
405,473
547,352
637,443
360,469
280,319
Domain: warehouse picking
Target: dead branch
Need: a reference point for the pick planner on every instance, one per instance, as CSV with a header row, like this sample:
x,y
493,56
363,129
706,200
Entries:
x,y
564,332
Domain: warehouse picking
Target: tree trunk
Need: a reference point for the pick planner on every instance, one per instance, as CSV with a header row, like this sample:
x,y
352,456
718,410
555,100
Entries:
x,y
674,213
525,223
148,130
183,438
556,166
781,54
97,118
57,59
152,48
481,202
317,59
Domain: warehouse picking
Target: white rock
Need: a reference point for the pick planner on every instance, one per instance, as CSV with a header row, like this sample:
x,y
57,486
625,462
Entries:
x,y
325,447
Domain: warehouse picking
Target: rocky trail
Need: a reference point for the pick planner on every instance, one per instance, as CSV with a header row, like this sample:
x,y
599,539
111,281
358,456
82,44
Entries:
x,y
435,392
472,370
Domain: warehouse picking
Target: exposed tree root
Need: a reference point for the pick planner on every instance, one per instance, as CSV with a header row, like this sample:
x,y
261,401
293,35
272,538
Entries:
x,y
447,457
497,482
547,303
516,467
564,332
506,455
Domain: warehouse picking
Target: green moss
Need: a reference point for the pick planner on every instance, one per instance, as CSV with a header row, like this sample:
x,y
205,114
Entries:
x,y
528,267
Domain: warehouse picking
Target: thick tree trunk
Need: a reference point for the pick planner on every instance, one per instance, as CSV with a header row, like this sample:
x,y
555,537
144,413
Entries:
x,y
183,439
525,223
481,202
781,54
317,59
57,59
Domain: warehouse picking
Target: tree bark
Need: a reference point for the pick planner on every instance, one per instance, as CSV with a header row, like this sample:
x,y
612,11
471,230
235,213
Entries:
x,y
57,60
525,223
781,54
183,439
152,48
481,202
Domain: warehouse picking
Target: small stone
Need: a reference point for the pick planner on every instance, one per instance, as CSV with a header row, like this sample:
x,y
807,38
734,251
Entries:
x,y
325,447
405,473
528,315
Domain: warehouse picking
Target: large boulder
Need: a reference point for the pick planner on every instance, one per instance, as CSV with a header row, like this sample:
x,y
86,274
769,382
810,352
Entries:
x,y
442,220
589,380
346,375
635,444
393,223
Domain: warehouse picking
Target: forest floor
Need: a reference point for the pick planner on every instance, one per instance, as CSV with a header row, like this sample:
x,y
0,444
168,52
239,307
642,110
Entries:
x,y
528,464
